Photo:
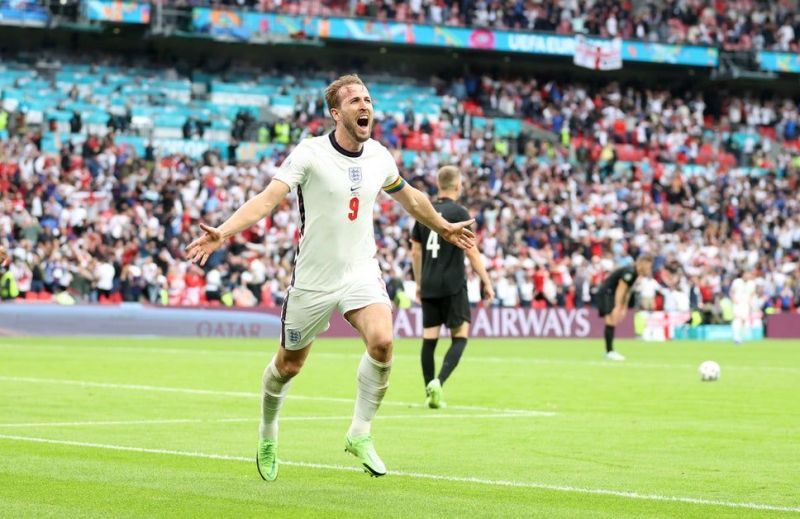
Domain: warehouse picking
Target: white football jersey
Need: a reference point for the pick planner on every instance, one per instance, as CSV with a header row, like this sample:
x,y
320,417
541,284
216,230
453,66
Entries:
x,y
743,292
336,192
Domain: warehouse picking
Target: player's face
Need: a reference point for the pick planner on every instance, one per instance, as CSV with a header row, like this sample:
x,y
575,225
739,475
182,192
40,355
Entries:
x,y
355,112
644,269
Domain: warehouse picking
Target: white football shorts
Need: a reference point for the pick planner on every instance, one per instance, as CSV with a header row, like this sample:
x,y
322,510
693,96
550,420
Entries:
x,y
307,313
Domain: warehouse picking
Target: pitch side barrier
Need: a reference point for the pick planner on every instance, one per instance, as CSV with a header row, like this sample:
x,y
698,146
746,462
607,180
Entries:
x,y
133,319
668,326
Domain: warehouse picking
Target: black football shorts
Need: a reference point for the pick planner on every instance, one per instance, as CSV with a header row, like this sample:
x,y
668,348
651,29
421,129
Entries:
x,y
451,311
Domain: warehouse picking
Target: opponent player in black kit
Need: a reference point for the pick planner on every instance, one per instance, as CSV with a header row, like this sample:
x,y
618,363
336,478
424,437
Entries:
x,y
442,285
613,297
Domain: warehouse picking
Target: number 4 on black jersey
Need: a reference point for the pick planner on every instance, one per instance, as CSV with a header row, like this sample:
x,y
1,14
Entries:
x,y
442,262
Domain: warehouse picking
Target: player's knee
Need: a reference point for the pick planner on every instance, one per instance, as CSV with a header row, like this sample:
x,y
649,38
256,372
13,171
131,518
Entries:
x,y
380,347
461,331
289,368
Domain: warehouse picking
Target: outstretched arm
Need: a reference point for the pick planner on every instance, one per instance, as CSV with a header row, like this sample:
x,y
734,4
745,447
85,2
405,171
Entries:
x,y
418,206
252,211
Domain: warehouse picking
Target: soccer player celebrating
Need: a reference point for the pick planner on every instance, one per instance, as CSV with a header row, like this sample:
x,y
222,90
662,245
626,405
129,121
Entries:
x,y
442,285
337,178
614,295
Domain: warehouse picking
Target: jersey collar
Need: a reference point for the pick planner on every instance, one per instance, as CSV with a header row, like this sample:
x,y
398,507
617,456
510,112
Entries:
x,y
351,154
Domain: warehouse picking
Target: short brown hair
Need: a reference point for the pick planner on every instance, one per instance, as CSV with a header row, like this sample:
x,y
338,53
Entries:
x,y
447,177
645,258
332,91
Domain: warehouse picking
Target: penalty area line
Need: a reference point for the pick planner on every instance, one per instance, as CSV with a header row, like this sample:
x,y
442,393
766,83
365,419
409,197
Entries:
x,y
437,477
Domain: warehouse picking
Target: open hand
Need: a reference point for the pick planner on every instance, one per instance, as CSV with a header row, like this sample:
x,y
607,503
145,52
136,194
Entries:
x,y
199,250
459,234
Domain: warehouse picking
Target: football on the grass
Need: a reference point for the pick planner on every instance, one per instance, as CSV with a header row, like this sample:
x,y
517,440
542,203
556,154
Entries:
x,y
709,371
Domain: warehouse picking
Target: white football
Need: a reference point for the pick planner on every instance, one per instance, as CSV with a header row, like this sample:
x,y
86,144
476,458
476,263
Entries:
x,y
709,371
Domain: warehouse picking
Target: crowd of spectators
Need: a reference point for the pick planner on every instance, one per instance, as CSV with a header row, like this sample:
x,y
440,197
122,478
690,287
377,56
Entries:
x,y
667,127
555,210
733,25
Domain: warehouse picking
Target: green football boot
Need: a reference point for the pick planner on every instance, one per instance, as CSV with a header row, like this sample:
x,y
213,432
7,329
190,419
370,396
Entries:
x,y
434,394
267,460
362,448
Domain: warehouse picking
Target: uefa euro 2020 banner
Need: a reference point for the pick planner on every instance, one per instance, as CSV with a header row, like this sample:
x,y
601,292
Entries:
x,y
119,12
249,26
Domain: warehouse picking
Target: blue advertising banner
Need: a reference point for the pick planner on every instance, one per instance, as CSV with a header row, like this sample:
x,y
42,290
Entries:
x,y
119,12
779,61
246,26
23,12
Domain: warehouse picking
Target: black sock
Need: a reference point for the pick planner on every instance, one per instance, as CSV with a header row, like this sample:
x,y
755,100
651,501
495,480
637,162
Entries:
x,y
609,338
452,357
428,364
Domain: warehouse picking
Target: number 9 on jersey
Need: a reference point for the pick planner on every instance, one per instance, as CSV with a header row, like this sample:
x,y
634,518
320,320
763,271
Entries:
x,y
353,214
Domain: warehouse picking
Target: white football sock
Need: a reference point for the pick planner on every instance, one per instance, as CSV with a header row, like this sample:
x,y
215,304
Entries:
x,y
737,330
373,380
273,390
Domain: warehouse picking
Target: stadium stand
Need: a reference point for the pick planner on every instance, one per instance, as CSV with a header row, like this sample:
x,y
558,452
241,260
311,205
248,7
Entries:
x,y
740,25
105,169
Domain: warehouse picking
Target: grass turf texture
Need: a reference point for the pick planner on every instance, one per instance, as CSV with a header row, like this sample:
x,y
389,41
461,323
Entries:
x,y
639,438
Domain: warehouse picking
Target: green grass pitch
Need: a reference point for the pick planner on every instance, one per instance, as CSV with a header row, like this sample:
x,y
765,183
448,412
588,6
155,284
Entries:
x,y
94,427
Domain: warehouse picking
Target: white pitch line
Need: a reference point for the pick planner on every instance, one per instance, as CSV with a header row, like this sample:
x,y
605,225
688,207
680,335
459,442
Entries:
x,y
267,353
433,416
245,394
124,422
436,477
119,422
